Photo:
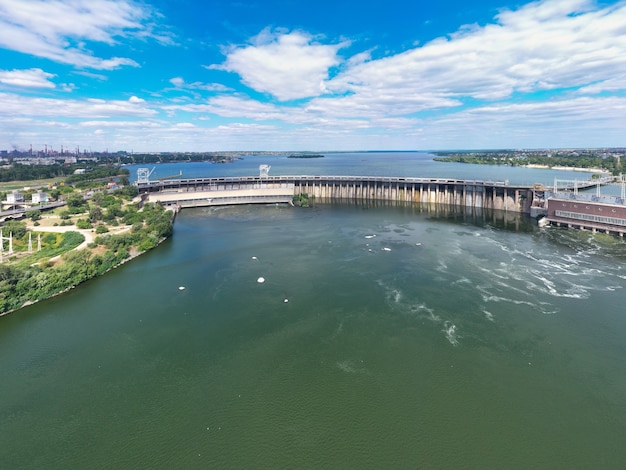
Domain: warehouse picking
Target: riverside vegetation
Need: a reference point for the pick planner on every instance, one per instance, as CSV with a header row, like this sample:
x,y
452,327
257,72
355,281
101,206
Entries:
x,y
120,230
613,160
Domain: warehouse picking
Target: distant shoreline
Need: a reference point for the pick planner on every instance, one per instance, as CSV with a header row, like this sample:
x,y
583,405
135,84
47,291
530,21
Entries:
x,y
567,168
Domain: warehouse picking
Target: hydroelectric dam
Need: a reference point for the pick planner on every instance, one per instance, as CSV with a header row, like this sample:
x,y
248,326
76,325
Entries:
x,y
198,192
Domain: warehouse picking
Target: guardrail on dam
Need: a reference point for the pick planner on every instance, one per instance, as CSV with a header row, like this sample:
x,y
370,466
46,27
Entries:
x,y
190,192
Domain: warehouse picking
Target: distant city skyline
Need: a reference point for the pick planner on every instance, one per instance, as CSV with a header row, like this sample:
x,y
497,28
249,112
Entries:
x,y
192,75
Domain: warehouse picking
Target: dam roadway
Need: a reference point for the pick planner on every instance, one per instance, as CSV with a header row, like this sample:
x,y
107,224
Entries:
x,y
197,192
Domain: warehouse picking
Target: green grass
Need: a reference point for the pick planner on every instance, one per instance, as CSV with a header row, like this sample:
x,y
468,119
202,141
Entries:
x,y
11,185
64,242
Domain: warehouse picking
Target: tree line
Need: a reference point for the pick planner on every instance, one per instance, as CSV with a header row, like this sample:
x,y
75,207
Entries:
x,y
611,163
19,172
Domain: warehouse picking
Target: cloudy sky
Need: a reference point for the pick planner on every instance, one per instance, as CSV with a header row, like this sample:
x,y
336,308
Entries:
x,y
193,75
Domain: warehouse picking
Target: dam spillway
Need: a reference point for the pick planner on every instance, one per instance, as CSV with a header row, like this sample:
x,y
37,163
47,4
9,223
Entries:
x,y
193,192
469,193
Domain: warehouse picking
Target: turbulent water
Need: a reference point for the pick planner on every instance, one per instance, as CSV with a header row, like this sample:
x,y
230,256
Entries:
x,y
381,337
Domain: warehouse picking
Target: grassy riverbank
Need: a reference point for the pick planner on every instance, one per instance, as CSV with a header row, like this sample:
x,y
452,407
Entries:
x,y
50,258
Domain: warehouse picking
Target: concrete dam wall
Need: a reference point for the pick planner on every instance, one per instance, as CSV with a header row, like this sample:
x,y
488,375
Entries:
x,y
497,196
467,193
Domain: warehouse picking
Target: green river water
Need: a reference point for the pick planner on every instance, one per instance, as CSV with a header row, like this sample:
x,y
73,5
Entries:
x,y
382,337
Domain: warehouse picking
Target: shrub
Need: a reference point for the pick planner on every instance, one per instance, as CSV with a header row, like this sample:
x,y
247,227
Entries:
x,y
15,227
83,224
49,238
33,215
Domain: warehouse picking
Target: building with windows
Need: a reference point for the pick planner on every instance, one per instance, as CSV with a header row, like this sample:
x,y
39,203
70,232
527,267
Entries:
x,y
14,199
587,215
40,197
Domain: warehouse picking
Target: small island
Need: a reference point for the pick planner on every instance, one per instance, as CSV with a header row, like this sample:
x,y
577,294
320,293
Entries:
x,y
306,155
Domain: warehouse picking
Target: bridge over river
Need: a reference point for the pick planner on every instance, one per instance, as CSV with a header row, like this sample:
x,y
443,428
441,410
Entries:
x,y
195,192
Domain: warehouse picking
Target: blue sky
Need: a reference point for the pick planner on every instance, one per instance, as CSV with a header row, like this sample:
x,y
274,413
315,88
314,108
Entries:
x,y
192,75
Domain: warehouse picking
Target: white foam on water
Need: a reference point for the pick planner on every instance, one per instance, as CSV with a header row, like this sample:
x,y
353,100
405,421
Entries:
x,y
505,285
349,367
181,288
449,329
441,266
494,273
525,276
463,280
392,295
490,297
260,280
488,315
455,250
430,315
395,295
543,307
574,291
346,367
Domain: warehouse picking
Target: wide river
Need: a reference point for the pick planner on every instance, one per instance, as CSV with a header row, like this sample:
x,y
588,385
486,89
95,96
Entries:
x,y
381,337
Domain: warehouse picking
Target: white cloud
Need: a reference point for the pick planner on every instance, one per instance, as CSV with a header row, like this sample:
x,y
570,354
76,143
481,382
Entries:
x,y
135,100
16,105
378,103
574,122
31,78
120,124
617,83
179,82
582,121
56,29
97,76
232,106
287,65
68,87
546,45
